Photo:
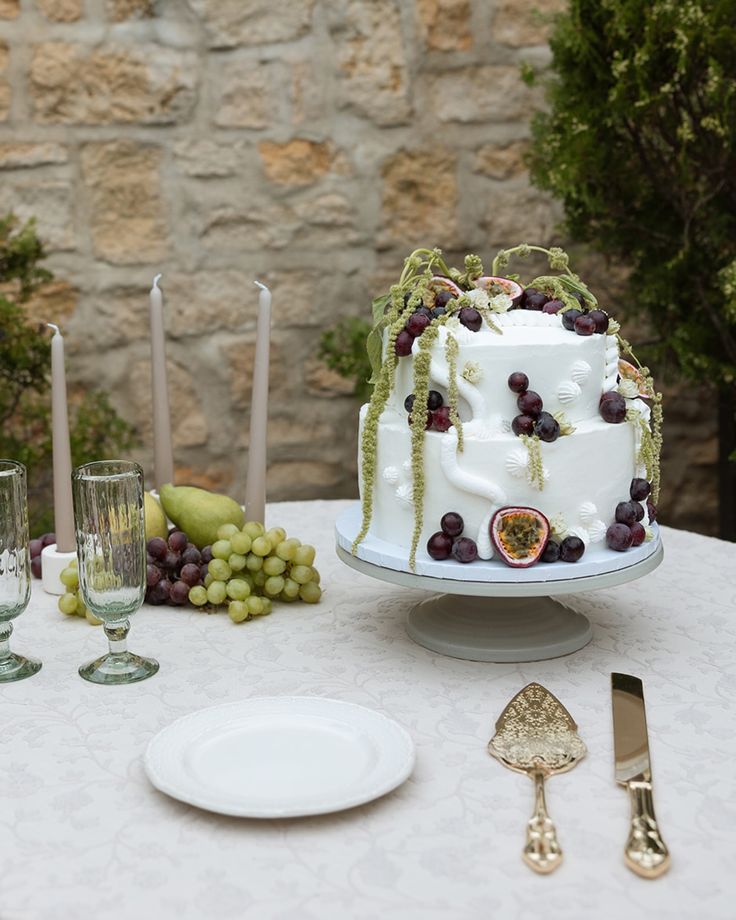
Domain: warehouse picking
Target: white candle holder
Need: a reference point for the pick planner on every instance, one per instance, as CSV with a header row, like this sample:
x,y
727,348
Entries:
x,y
53,564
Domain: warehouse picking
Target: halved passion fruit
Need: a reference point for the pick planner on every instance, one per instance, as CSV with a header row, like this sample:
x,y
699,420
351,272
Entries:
x,y
520,535
493,285
440,283
627,371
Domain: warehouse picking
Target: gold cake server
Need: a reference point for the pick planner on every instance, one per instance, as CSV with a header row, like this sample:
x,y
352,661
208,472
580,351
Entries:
x,y
646,852
536,735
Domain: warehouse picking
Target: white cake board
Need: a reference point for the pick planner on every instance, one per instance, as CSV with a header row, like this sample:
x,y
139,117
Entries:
x,y
489,611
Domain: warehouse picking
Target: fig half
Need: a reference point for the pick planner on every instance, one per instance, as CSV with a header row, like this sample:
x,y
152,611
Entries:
x,y
520,535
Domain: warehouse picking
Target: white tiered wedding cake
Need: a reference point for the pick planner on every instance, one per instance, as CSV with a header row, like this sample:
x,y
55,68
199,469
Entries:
x,y
537,442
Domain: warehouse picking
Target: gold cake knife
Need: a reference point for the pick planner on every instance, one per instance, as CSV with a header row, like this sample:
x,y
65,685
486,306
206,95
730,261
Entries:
x,y
536,735
645,852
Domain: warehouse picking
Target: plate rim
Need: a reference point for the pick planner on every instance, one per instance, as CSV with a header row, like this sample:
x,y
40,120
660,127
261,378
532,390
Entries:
x,y
405,764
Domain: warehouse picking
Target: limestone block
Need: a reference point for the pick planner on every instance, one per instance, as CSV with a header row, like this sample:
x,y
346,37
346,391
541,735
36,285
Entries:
x,y
50,202
188,421
228,23
61,10
22,155
247,94
493,92
522,23
371,56
126,209
445,24
111,84
501,161
420,198
120,10
298,161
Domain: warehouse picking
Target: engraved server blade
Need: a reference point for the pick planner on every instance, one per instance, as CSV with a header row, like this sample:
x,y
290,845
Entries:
x,y
630,738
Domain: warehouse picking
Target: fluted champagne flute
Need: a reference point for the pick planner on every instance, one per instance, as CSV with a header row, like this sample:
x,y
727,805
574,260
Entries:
x,y
15,567
110,531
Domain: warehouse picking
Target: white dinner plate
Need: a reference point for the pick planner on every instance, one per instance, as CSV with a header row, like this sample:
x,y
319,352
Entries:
x,y
280,757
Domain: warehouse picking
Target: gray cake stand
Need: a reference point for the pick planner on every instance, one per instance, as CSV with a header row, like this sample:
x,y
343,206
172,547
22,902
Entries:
x,y
509,620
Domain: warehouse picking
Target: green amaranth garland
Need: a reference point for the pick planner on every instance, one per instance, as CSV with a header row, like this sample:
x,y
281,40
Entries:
x,y
422,363
536,466
417,272
650,449
451,352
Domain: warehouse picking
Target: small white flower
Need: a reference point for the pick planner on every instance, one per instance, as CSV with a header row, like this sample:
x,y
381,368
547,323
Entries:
x,y
500,303
478,298
628,389
453,323
558,525
472,372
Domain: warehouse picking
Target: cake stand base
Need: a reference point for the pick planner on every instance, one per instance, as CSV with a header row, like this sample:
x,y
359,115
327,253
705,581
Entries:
x,y
498,629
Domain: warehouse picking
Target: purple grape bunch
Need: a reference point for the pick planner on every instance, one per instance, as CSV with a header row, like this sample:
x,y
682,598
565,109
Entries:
x,y
532,418
612,407
173,567
449,541
627,529
420,318
438,414
569,549
583,321
36,546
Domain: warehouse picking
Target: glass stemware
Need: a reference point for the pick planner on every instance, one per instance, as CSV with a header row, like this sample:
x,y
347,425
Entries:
x,y
110,530
15,567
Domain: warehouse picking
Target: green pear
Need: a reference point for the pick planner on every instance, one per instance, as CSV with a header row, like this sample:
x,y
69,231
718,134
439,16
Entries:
x,y
155,518
199,513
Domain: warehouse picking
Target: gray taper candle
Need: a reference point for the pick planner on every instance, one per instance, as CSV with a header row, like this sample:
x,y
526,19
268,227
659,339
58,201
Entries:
x,y
163,455
255,486
62,457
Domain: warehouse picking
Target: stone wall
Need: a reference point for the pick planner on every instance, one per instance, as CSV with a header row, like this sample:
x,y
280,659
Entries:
x,y
309,143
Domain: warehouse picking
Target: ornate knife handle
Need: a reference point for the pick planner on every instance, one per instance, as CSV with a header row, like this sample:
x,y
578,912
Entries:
x,y
646,853
542,851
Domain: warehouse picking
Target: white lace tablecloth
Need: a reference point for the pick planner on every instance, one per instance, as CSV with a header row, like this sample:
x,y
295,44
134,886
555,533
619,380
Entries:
x,y
82,833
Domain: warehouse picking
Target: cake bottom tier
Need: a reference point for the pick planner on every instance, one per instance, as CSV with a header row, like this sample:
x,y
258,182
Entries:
x,y
586,474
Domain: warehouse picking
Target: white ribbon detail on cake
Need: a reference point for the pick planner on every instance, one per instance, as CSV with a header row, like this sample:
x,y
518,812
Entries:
x,y
469,482
441,375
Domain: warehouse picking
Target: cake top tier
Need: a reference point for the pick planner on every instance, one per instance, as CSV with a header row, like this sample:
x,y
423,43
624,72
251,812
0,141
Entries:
x,y
569,372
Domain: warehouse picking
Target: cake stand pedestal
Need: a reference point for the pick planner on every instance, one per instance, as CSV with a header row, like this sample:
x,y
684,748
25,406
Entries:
x,y
510,619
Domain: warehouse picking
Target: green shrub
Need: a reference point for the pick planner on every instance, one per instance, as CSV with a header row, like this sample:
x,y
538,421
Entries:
x,y
96,431
639,143
342,348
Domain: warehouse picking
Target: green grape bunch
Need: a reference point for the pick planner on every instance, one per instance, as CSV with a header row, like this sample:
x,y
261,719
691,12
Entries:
x,y
252,567
71,602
